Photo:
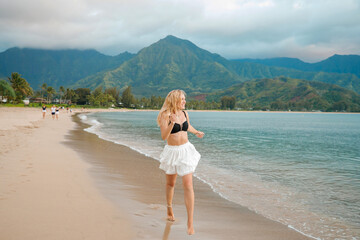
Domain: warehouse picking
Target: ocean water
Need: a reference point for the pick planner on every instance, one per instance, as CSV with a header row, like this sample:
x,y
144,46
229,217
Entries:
x,y
300,169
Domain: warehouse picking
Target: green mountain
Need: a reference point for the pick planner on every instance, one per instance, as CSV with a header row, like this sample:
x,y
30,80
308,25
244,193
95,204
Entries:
x,y
56,67
334,64
176,63
285,93
165,65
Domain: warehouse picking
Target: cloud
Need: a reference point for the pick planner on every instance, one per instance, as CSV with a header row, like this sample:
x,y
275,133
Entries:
x,y
310,30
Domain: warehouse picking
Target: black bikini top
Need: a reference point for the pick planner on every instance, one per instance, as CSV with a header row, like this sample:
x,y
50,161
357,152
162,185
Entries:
x,y
178,128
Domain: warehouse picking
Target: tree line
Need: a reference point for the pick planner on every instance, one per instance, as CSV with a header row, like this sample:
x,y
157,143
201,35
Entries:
x,y
15,89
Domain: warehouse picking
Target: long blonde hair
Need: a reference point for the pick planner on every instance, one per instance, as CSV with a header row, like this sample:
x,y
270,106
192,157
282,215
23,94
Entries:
x,y
171,104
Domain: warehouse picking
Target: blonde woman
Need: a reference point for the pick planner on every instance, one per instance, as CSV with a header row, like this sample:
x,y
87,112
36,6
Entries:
x,y
179,156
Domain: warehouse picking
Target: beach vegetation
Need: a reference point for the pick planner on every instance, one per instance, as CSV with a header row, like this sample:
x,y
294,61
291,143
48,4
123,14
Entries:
x,y
114,92
228,102
43,90
83,95
6,91
100,98
21,87
71,96
61,92
127,98
50,92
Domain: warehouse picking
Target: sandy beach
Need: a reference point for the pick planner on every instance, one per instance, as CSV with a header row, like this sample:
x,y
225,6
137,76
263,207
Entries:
x,y
45,191
60,182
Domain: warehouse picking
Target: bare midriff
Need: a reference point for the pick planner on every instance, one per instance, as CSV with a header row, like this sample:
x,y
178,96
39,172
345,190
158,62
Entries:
x,y
178,138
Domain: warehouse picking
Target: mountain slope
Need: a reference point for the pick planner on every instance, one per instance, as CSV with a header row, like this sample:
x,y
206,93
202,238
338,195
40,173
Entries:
x,y
334,64
285,93
176,63
168,64
56,67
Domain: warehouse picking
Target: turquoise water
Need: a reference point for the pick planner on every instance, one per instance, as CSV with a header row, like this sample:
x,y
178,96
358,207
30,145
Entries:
x,y
301,169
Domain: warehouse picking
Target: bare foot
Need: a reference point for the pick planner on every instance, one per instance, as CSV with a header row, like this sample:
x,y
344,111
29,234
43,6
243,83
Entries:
x,y
170,214
191,230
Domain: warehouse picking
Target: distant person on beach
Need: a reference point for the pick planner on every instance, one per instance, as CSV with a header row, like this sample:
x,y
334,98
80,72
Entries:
x,y
44,111
53,110
179,156
57,113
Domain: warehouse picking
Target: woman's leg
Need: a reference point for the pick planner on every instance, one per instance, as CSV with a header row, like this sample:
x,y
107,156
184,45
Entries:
x,y
170,186
189,201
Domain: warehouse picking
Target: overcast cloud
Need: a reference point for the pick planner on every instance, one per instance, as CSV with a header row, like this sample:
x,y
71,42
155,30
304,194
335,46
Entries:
x,y
311,30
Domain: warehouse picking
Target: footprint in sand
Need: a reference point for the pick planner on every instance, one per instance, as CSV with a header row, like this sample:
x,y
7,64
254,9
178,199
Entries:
x,y
157,207
155,224
140,214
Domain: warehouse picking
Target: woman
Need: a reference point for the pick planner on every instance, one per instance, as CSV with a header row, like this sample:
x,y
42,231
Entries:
x,y
44,111
53,109
179,156
57,112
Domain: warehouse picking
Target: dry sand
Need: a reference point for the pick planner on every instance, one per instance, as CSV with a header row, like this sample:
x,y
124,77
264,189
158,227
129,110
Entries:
x,y
60,182
45,190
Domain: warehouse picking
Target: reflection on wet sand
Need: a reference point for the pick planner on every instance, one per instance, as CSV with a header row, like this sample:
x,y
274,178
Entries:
x,y
167,230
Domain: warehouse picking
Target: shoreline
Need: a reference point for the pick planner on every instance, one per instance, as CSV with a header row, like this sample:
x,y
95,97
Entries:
x,y
215,217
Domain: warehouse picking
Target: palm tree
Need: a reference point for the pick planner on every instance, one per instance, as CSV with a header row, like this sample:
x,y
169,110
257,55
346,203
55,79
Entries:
x,y
70,93
62,92
43,90
6,90
20,86
50,91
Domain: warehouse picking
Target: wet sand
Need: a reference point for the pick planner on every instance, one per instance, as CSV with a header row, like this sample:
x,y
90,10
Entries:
x,y
135,185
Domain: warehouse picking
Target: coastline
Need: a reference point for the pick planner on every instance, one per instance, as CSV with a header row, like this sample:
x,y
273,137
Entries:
x,y
60,182
126,172
192,110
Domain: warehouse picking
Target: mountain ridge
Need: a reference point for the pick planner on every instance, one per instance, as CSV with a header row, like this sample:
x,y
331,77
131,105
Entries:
x,y
166,64
176,63
333,64
56,67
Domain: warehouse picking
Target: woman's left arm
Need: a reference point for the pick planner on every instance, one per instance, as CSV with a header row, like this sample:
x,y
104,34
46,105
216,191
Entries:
x,y
191,129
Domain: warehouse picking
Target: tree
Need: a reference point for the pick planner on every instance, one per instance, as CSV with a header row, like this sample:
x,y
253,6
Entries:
x,y
62,92
228,102
114,92
99,98
6,91
20,85
83,94
127,98
71,95
43,90
50,92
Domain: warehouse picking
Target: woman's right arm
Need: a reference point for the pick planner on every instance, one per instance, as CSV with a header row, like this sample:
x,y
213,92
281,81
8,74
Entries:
x,y
165,127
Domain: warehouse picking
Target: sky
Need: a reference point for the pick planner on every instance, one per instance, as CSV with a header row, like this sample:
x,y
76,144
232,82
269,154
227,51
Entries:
x,y
311,30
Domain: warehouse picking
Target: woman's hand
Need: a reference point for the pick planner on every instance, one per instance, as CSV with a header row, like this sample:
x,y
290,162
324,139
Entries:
x,y
199,134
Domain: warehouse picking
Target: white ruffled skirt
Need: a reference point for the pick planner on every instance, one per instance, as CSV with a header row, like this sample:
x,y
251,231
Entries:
x,y
180,160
